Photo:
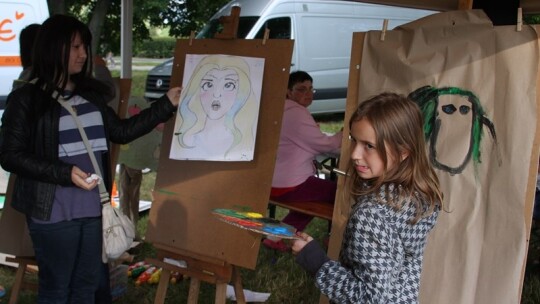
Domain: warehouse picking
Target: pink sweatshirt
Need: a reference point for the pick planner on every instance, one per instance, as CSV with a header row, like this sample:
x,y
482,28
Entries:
x,y
300,141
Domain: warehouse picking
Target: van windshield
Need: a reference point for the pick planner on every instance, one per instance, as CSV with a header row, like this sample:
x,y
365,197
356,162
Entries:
x,y
213,26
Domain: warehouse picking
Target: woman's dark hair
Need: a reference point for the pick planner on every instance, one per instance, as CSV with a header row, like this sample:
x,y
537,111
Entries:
x,y
27,38
50,60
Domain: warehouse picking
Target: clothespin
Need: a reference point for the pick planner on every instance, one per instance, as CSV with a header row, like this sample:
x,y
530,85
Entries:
x,y
519,20
266,35
191,37
384,27
230,24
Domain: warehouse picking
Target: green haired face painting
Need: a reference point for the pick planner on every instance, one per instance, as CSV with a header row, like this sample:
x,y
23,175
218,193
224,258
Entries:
x,y
453,126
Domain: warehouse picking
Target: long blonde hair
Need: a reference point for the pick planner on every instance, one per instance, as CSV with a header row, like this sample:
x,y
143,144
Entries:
x,y
239,118
397,122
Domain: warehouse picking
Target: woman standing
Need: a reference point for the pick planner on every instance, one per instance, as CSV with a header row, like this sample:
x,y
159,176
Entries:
x,y
41,144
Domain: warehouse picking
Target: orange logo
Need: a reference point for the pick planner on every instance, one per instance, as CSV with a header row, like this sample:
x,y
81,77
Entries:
x,y
6,33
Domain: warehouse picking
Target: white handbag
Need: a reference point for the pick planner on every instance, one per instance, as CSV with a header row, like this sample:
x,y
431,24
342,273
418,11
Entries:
x,y
118,230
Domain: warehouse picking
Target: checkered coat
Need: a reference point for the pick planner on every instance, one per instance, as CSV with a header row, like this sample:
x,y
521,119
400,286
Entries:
x,y
381,255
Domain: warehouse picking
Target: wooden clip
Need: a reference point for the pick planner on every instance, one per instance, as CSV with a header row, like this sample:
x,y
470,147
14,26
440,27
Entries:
x,y
230,24
191,37
519,20
384,27
266,35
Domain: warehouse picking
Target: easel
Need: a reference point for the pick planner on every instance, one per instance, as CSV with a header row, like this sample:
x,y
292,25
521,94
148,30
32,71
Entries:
x,y
181,226
198,269
19,283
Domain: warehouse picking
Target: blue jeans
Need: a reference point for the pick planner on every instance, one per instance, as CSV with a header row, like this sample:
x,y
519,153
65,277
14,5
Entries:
x,y
68,255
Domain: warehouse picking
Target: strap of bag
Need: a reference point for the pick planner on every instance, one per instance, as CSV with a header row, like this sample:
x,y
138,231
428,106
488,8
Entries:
x,y
103,194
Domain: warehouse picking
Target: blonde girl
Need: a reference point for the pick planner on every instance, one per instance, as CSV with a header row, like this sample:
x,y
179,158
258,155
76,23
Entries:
x,y
396,199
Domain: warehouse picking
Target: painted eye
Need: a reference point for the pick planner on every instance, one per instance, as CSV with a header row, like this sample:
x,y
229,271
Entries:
x,y
464,109
207,85
449,109
229,86
370,147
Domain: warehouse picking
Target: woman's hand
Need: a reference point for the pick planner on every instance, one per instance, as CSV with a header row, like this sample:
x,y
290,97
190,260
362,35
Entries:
x,y
298,245
78,177
174,95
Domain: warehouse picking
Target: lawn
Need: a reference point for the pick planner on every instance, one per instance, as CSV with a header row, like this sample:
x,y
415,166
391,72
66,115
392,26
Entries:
x,y
275,273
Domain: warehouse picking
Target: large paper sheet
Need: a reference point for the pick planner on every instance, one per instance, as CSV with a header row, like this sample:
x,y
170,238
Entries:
x,y
477,86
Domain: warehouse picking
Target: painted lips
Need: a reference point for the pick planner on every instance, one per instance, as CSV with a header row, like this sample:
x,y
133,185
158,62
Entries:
x,y
216,105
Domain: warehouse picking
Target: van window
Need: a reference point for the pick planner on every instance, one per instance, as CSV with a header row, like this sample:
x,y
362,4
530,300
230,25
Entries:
x,y
213,26
280,28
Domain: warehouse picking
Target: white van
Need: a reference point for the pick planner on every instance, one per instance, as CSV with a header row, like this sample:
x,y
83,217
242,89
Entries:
x,y
322,30
14,16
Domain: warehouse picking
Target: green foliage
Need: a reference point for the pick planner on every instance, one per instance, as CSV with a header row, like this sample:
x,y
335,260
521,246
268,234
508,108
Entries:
x,y
157,48
531,19
186,16
180,17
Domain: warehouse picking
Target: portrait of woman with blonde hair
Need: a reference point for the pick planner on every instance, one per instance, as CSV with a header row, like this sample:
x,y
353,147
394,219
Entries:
x,y
218,111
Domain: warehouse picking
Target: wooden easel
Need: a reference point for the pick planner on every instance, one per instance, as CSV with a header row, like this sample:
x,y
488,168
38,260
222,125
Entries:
x,y
25,264
199,269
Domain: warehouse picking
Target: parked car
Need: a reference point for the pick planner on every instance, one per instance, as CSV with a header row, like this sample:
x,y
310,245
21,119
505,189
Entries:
x,y
322,31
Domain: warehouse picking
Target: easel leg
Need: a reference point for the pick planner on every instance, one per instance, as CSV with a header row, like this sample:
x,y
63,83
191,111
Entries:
x,y
221,293
238,288
162,286
17,283
193,296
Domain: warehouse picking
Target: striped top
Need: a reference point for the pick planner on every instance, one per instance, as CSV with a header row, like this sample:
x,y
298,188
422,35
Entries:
x,y
73,202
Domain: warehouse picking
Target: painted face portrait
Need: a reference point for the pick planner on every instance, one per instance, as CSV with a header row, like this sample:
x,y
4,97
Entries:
x,y
456,122
217,115
218,92
453,125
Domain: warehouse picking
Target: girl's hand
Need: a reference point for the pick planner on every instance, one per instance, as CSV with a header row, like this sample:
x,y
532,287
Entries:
x,y
174,95
78,177
298,245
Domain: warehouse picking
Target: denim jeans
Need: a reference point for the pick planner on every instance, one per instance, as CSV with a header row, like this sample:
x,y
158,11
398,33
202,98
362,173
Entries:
x,y
68,255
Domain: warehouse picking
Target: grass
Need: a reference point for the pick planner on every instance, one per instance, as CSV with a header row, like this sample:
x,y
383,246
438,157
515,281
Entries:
x,y
138,81
275,273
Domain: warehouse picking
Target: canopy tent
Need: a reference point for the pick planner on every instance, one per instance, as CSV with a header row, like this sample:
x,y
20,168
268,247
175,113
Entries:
x,y
528,6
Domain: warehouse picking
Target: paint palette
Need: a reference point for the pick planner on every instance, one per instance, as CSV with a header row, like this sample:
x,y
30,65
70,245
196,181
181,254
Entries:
x,y
256,222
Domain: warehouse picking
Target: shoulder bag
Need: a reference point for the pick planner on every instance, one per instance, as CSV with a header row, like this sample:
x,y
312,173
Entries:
x,y
118,230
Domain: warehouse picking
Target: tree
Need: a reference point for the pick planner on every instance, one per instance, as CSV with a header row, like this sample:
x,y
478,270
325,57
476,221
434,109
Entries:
x,y
186,16
104,18
532,19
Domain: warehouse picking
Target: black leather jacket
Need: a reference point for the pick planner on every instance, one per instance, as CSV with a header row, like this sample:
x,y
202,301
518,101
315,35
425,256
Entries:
x,y
29,143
